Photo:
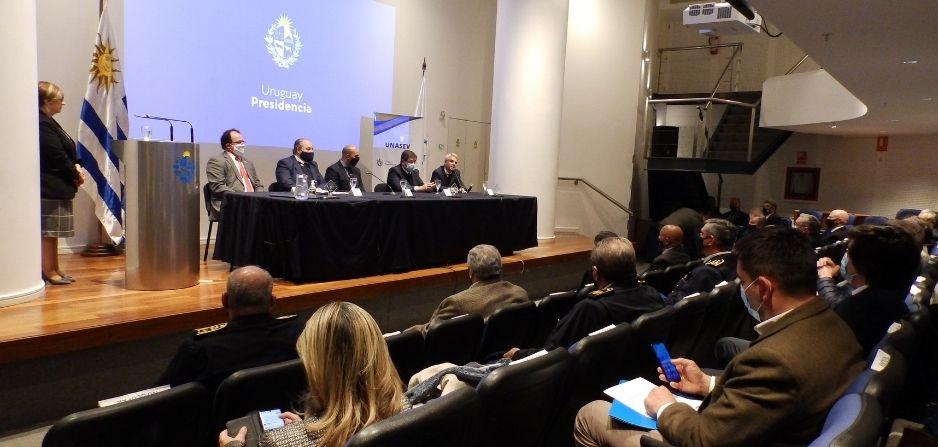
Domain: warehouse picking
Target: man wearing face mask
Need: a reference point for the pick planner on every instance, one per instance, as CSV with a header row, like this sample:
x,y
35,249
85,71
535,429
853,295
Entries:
x,y
230,171
407,171
301,162
836,227
777,392
342,171
770,211
717,237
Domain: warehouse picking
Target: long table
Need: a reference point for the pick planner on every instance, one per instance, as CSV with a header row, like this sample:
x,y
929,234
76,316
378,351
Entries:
x,y
324,239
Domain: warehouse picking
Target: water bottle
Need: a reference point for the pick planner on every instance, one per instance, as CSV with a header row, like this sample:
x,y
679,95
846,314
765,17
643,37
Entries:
x,y
302,187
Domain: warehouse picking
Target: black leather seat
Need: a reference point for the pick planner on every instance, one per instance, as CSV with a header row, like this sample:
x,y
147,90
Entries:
x,y
406,350
883,378
689,319
454,340
511,326
452,421
649,328
551,309
178,416
267,387
382,187
518,400
656,279
596,363
207,196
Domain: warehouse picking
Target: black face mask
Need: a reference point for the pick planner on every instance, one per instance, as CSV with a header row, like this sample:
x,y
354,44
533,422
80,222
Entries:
x,y
766,211
307,156
354,161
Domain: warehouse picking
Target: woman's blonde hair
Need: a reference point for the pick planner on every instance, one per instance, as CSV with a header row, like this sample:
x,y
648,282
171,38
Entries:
x,y
352,382
48,92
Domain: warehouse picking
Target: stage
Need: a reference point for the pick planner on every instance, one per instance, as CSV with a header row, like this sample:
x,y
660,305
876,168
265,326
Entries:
x,y
97,311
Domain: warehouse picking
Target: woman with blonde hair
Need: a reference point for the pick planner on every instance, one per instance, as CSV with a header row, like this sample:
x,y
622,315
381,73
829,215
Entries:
x,y
352,382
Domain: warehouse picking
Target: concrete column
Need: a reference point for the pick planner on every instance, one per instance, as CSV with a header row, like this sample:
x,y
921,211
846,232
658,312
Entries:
x,y
20,262
527,96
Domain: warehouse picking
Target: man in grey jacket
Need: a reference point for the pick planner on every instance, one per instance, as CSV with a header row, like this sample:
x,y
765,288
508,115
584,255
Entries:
x,y
230,171
487,293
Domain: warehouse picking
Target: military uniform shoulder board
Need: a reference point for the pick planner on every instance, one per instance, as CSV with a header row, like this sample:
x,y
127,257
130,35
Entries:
x,y
600,292
286,317
208,330
715,262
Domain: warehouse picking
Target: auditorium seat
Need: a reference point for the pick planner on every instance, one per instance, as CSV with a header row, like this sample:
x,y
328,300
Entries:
x,y
883,378
689,319
853,421
406,350
875,220
817,214
664,280
382,187
519,399
655,278
177,417
551,309
596,363
207,195
452,421
652,327
268,387
907,212
454,340
511,326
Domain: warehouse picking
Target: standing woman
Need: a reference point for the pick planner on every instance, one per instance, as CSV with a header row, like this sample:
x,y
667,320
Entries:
x,y
59,179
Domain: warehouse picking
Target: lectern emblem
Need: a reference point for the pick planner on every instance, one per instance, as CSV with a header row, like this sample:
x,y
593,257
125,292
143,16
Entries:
x,y
283,42
184,168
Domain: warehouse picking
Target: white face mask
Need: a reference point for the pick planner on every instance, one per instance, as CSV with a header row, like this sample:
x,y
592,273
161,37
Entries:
x,y
752,312
409,167
238,149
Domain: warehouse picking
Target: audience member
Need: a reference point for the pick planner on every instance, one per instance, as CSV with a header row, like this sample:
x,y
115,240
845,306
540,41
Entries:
x,y
755,223
718,236
690,222
252,337
230,171
710,209
882,263
809,226
930,218
300,162
836,227
770,211
618,297
736,214
672,242
487,292
586,282
406,173
343,171
447,174
352,382
778,391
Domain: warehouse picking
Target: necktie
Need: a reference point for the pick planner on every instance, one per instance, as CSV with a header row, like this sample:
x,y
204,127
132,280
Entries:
x,y
245,178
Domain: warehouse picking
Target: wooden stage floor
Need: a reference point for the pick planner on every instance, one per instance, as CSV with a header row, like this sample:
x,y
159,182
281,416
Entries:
x,y
96,310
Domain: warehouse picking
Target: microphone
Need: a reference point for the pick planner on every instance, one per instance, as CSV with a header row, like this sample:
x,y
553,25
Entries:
x,y
376,178
171,121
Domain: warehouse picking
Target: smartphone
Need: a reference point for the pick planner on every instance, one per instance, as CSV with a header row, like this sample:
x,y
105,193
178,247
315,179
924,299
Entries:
x,y
270,419
664,360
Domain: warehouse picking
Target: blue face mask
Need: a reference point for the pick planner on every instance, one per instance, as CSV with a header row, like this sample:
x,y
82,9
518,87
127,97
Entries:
x,y
843,269
752,312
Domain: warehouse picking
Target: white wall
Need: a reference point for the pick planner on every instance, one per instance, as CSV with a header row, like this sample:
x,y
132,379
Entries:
x,y
602,103
853,175
455,36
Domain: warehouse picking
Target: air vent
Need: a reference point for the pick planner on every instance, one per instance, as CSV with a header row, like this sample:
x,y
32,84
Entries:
x,y
724,12
707,9
694,11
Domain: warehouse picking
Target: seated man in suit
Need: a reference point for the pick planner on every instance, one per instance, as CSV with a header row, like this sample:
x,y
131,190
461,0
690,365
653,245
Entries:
x,y
736,215
342,171
252,337
881,264
301,162
690,222
447,174
487,292
672,243
777,392
618,297
836,227
230,171
770,211
406,171
809,226
718,236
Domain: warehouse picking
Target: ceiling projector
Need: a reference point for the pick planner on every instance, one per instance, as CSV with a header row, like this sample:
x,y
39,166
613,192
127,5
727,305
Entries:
x,y
717,19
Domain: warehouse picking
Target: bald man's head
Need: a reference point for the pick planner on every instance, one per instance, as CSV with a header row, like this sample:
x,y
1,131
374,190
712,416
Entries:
x,y
670,236
839,217
249,291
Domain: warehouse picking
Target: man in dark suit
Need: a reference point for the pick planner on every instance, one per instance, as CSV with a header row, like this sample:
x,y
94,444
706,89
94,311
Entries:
x,y
301,162
672,241
252,337
736,215
230,171
777,392
342,171
770,211
717,236
809,226
882,263
407,171
836,227
618,297
487,293
447,174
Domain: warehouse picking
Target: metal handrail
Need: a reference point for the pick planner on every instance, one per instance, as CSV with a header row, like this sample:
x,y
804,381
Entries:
x,y
795,67
577,180
701,100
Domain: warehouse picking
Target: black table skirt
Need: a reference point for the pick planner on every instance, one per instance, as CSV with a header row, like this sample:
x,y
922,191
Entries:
x,y
320,239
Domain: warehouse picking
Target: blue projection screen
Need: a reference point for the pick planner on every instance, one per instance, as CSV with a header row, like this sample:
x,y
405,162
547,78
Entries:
x,y
274,70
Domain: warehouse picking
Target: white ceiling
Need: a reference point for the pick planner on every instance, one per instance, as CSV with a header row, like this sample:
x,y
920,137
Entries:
x,y
863,44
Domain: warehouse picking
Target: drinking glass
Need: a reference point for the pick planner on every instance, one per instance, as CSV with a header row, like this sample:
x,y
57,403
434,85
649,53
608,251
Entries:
x,y
353,181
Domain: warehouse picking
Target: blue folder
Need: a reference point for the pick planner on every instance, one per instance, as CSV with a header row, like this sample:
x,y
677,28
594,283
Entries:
x,y
622,413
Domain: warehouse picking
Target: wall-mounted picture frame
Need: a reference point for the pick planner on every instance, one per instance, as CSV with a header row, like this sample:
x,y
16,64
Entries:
x,y
802,183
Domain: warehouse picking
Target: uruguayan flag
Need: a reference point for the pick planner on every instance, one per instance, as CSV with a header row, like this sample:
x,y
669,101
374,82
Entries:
x,y
103,120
